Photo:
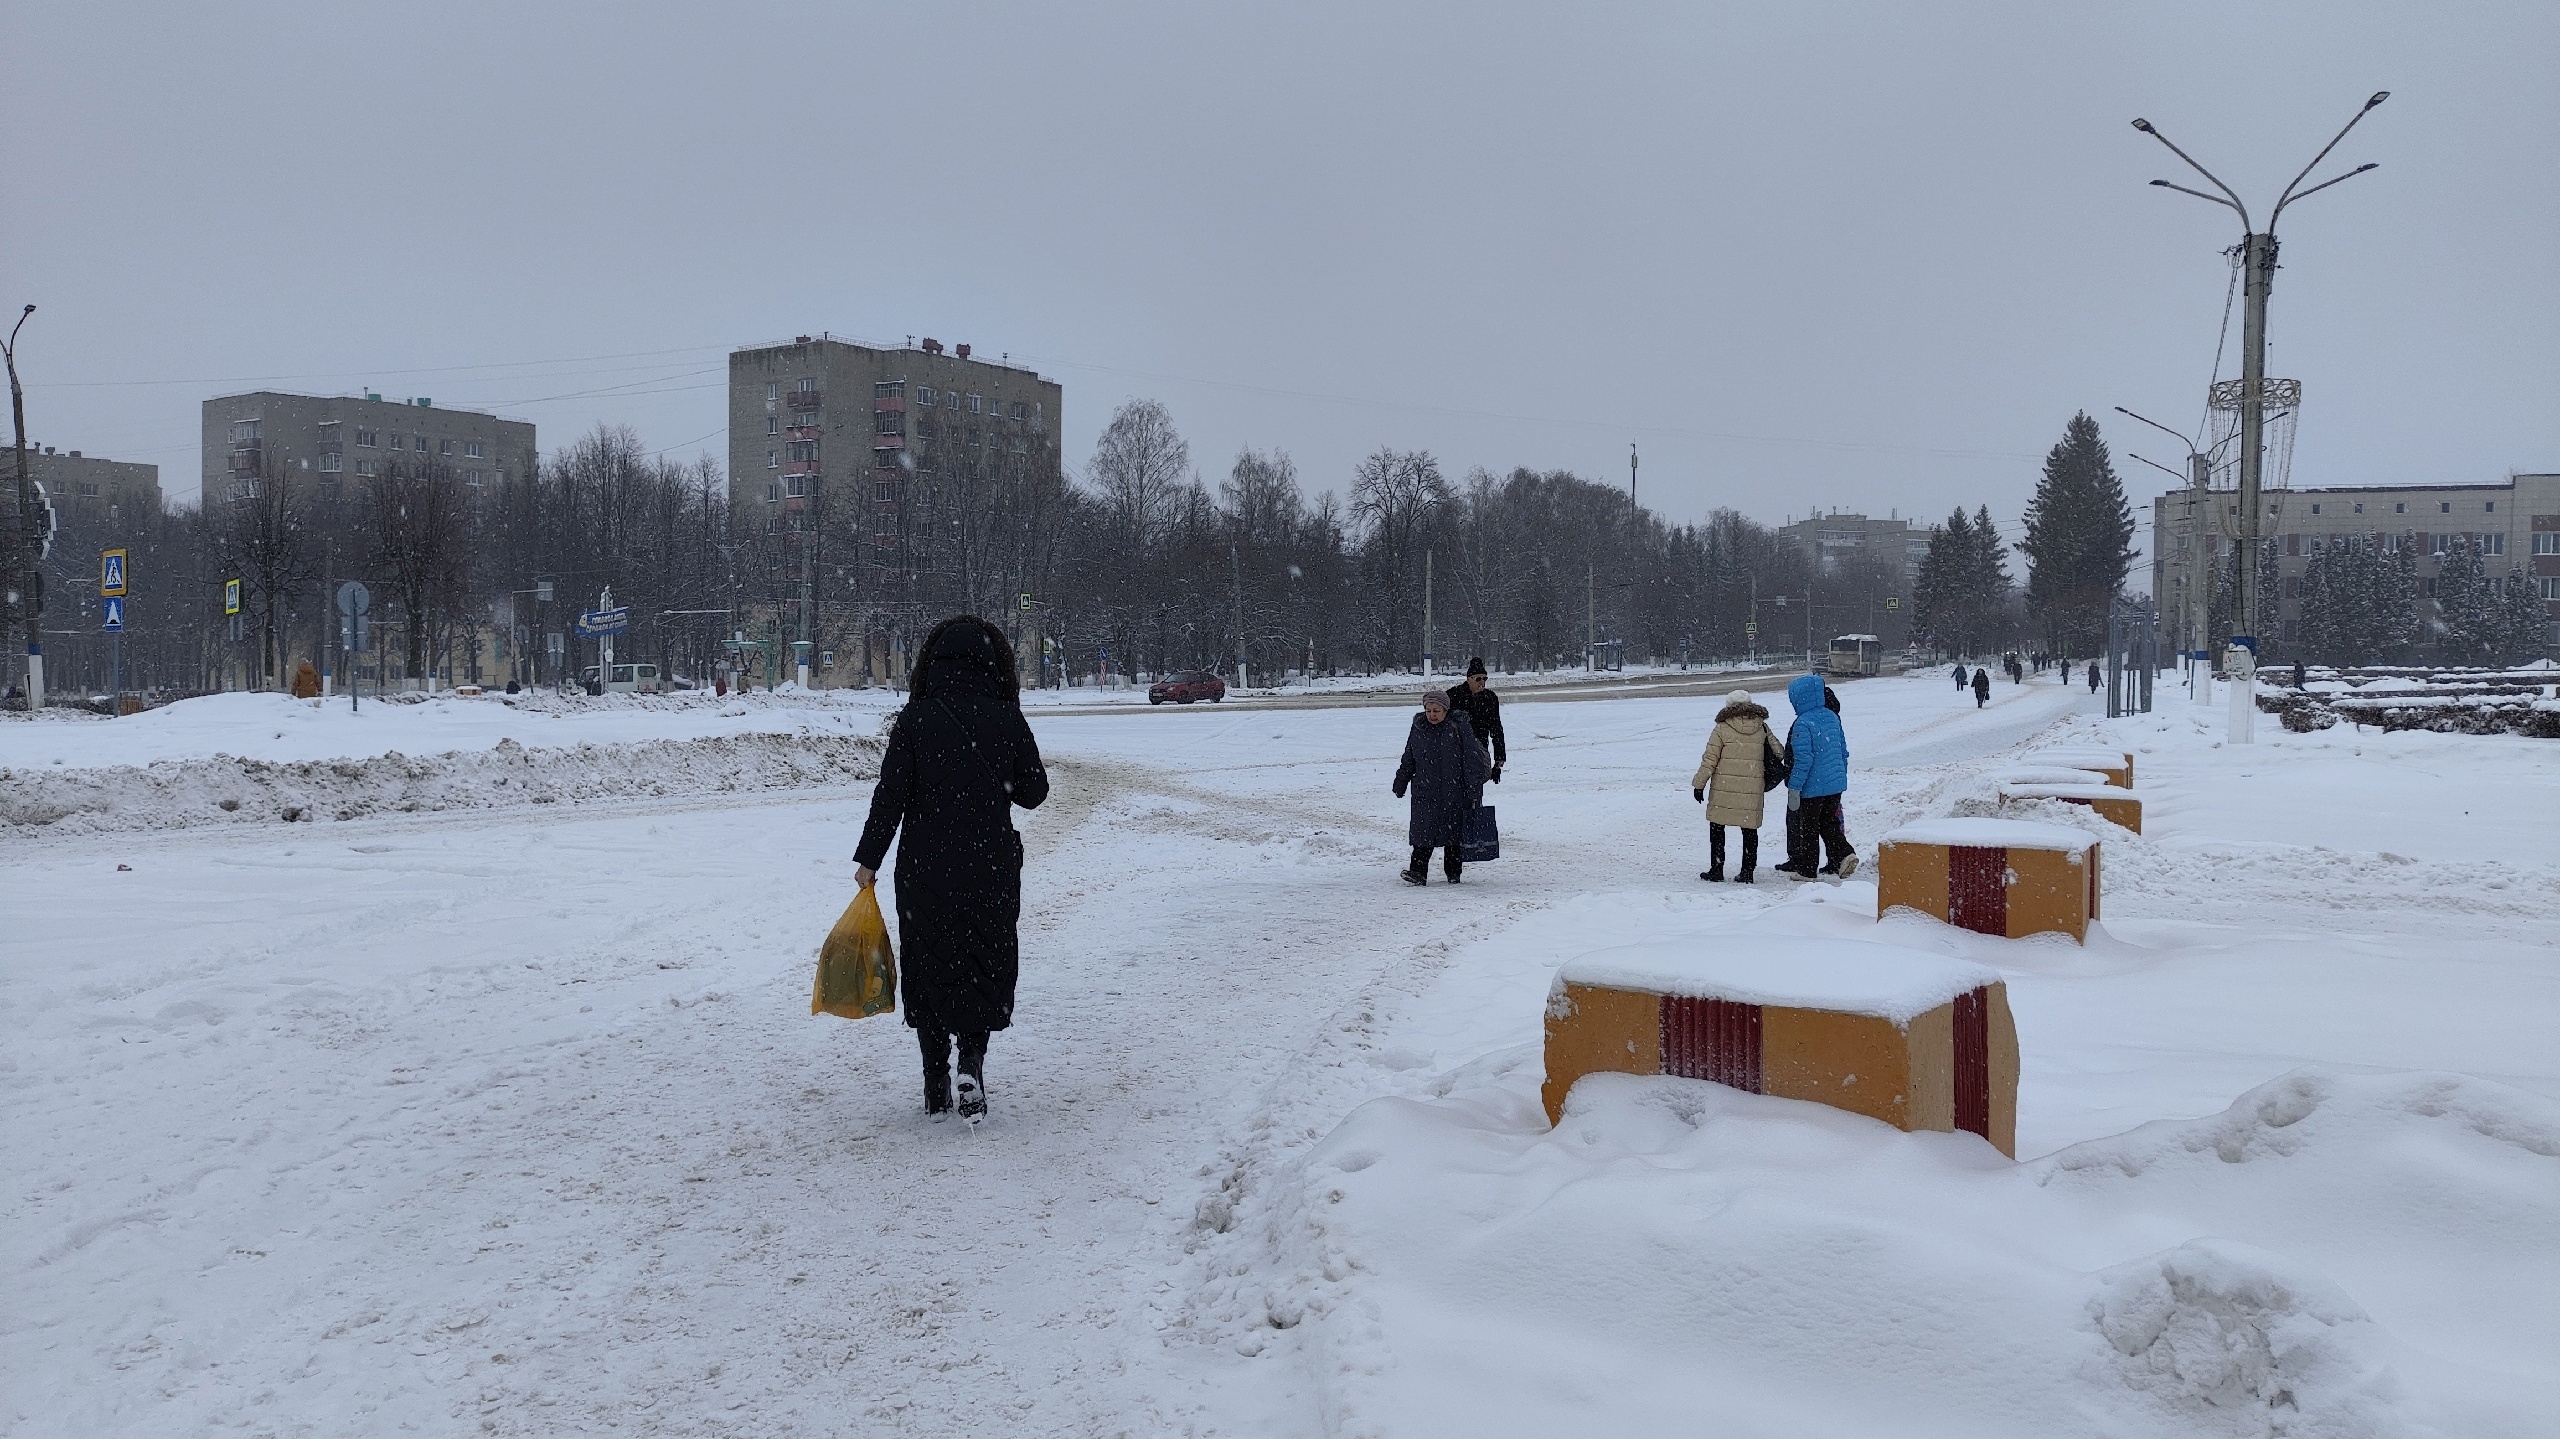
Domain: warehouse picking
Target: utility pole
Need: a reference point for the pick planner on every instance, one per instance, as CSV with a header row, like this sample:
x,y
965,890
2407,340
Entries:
x,y
1426,614
1631,469
2258,274
1235,576
30,582
808,572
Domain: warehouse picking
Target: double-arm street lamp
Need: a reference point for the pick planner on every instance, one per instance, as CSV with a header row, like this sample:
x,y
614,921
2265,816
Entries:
x,y
2258,259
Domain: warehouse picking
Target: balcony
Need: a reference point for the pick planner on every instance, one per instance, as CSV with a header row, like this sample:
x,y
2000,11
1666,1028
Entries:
x,y
888,442
800,467
804,399
247,459
797,433
795,504
889,405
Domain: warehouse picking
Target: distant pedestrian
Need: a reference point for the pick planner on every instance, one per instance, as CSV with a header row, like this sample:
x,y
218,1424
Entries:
x,y
959,756
1817,776
1981,688
2093,676
1483,708
2297,674
1445,768
1732,777
1962,679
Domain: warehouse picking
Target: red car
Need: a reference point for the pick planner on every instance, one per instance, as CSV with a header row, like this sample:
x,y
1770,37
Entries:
x,y
1183,688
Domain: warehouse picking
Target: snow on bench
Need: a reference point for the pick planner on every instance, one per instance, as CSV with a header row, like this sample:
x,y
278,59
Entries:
x,y
2115,764
1920,1041
2116,806
1992,876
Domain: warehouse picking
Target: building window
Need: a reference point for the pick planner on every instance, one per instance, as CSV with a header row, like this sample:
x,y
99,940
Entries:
x,y
2493,507
331,462
2315,509
475,478
797,487
2551,587
443,447
773,459
973,404
367,438
924,394
772,491
804,451
474,450
808,384
364,467
884,489
773,424
244,432
2400,508
2491,545
2546,542
2359,507
772,393
888,389
2444,507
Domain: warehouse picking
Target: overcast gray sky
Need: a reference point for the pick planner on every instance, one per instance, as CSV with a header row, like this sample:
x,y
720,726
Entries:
x,y
1857,256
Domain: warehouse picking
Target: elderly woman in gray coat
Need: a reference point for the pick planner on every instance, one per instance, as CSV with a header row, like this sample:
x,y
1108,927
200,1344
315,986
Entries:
x,y
1732,776
1444,766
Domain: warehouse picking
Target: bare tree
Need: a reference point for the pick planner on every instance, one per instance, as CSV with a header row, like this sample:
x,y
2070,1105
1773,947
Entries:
x,y
420,548
263,537
1396,496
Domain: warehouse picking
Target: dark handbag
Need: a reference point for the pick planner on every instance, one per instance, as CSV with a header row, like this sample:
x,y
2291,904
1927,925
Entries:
x,y
1480,840
1775,765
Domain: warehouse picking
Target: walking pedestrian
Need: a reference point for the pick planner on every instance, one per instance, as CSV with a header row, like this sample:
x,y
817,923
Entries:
x,y
1483,708
959,755
1981,688
2093,676
1445,768
1731,779
1962,679
1817,776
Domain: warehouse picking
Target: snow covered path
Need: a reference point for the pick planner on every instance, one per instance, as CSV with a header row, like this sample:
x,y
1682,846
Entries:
x,y
518,1124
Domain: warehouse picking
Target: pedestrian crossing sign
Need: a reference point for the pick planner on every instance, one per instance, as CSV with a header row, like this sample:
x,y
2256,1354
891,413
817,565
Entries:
x,y
114,614
111,572
231,597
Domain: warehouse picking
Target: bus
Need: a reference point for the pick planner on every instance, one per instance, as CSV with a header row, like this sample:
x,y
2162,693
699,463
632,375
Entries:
x,y
1855,655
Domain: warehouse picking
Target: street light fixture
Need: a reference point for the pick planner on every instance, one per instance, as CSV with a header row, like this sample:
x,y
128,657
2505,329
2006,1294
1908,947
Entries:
x,y
2258,249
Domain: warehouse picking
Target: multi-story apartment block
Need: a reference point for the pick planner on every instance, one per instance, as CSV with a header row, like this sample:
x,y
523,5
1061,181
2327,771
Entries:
x,y
1834,539
335,439
2516,522
858,460
91,491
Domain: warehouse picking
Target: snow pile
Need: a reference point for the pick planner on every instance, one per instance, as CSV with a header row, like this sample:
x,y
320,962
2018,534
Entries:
x,y
226,789
2226,1339
1449,1265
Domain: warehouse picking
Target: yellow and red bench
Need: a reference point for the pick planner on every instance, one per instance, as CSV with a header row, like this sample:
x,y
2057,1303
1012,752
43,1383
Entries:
x,y
2115,764
1921,1041
2006,877
2112,804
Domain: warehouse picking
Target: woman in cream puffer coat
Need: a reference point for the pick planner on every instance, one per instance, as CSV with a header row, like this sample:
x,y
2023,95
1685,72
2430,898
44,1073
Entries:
x,y
1729,780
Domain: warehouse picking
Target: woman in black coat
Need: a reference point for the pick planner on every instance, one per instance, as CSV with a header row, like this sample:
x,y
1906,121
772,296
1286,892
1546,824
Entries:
x,y
1445,768
959,755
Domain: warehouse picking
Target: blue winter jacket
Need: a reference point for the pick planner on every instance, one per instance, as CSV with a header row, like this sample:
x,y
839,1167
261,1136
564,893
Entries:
x,y
1820,748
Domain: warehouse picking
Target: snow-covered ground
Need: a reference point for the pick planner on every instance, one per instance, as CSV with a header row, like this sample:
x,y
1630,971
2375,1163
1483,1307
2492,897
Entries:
x,y
515,1122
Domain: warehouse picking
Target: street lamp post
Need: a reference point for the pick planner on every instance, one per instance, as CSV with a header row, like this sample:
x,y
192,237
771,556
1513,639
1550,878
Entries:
x,y
23,564
2258,272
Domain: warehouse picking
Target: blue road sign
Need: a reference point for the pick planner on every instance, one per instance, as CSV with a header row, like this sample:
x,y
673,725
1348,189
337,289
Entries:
x,y
115,614
111,572
593,624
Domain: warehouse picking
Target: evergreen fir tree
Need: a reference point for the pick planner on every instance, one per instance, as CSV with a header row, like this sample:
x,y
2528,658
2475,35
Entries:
x,y
2523,624
2467,626
2359,604
1986,585
2079,543
1936,598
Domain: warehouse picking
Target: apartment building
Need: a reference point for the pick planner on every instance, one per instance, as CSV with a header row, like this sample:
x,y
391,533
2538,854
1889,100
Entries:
x,y
89,491
854,460
1835,539
2516,522
337,438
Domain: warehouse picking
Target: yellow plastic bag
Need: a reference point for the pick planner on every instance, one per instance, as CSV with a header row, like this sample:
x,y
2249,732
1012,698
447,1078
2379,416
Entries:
x,y
857,969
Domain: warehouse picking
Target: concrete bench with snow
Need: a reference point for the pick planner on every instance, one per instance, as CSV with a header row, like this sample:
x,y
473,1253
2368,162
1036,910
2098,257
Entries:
x,y
2043,774
2114,805
2115,764
2009,877
1920,1041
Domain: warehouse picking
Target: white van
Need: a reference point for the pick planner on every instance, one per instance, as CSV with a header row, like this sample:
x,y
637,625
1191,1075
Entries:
x,y
627,679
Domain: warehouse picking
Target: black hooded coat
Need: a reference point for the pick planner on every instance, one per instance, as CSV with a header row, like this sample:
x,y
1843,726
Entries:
x,y
1445,767
958,756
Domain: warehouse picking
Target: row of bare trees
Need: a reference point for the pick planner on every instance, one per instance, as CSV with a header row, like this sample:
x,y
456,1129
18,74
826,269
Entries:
x,y
1138,566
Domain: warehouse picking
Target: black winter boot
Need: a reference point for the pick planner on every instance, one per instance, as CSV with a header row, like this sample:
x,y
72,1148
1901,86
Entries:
x,y
1714,872
973,1076
1419,871
936,1044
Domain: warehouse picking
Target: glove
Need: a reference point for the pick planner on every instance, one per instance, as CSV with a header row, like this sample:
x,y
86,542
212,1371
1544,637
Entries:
x,y
1497,774
1699,795
1399,789
1795,798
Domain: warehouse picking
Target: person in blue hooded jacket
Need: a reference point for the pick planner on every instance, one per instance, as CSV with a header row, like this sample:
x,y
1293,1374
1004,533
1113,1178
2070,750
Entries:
x,y
1817,776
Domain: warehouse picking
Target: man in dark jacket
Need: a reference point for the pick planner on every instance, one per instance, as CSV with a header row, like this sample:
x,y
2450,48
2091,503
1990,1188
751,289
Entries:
x,y
1981,688
959,757
1483,708
1444,766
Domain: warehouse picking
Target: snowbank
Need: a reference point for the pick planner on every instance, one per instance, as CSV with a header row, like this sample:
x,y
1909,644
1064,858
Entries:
x,y
227,789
